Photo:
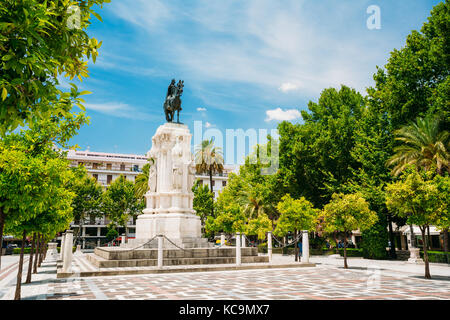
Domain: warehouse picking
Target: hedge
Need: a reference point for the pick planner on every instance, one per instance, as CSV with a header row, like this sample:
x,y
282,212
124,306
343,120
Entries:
x,y
28,249
437,256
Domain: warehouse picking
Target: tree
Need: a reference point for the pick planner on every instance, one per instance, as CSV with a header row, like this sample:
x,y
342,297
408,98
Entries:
x,y
259,226
229,221
417,197
141,183
315,156
209,159
423,144
345,213
416,78
38,43
296,215
88,197
203,201
120,202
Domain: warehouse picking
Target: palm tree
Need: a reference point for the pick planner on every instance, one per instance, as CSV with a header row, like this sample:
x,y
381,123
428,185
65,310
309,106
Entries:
x,y
423,145
209,160
141,182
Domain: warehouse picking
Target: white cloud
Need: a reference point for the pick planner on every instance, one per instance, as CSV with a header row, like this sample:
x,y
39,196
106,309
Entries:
x,y
231,42
280,115
119,110
201,109
289,86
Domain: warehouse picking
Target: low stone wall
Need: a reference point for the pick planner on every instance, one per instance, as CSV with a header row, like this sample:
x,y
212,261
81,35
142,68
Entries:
x,y
127,254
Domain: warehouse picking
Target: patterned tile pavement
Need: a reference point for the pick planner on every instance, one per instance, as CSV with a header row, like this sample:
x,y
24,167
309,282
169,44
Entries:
x,y
327,281
322,283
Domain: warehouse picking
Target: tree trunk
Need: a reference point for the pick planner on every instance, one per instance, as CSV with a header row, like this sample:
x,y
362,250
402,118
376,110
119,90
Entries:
x,y
19,271
296,245
41,256
345,251
425,253
36,253
392,252
429,238
2,224
335,240
413,240
212,190
445,240
30,263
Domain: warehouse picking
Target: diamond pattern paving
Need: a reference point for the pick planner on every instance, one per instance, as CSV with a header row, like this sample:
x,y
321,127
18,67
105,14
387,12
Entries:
x,y
323,282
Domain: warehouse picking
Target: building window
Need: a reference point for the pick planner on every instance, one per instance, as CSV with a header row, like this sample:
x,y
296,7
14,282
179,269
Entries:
x,y
108,179
224,183
95,177
213,183
136,168
200,182
122,167
95,166
108,166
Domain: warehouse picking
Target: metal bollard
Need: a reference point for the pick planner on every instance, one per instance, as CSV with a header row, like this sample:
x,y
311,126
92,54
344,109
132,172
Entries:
x,y
238,249
160,251
222,240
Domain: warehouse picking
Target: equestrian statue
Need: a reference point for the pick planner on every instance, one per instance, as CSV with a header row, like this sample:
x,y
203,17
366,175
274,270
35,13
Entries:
x,y
173,101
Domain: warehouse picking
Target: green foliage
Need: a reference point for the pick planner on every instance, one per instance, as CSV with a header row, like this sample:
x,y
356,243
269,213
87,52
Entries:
x,y
141,183
418,197
315,157
111,234
120,202
230,221
203,201
259,226
295,215
423,144
88,195
347,212
47,47
437,256
416,78
352,252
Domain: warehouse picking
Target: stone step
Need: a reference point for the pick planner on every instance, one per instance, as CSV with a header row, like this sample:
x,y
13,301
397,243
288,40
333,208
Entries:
x,y
100,262
127,254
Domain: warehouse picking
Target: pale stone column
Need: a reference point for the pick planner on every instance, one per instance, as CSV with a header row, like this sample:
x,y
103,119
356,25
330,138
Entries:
x,y
269,245
61,251
354,240
243,240
238,248
222,240
160,251
305,247
98,242
99,231
68,244
123,239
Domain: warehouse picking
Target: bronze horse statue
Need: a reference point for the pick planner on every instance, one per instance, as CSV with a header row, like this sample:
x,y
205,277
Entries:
x,y
173,101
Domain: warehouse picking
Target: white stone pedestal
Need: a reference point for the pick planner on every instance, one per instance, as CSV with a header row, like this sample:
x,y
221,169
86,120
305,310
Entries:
x,y
415,256
52,252
169,201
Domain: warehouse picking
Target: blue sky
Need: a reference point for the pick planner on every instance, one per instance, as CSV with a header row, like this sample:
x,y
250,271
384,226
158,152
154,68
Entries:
x,y
248,63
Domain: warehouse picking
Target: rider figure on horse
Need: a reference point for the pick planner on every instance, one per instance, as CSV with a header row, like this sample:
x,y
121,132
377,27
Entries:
x,y
173,101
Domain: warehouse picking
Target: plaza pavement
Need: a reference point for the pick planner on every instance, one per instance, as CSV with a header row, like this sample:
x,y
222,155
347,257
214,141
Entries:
x,y
365,279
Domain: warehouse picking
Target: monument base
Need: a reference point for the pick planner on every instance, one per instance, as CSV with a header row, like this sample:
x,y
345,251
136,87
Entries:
x,y
184,230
